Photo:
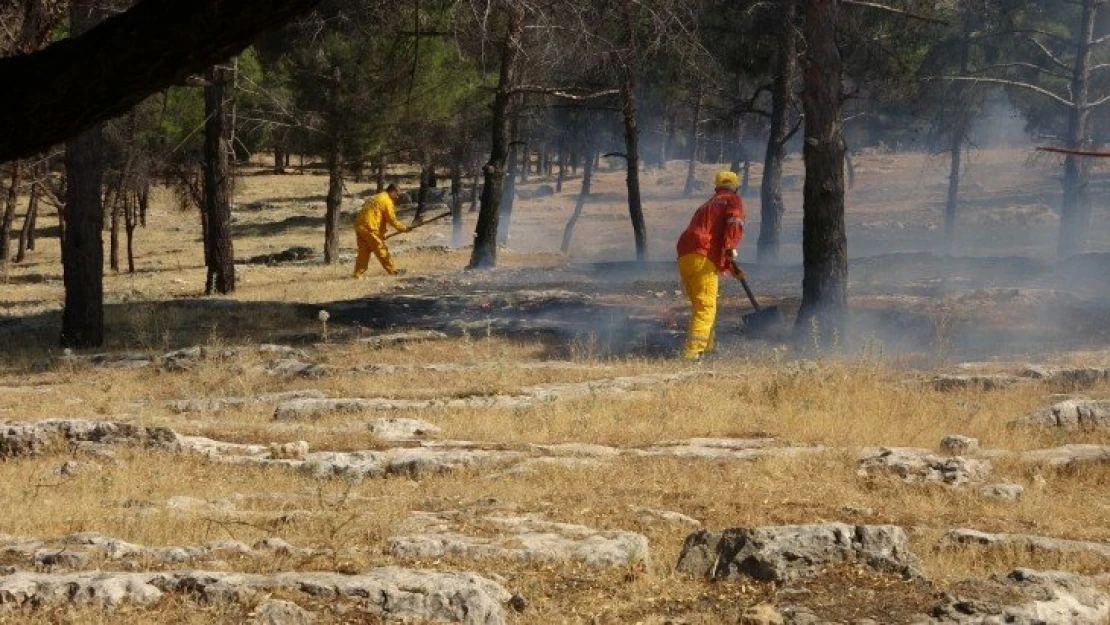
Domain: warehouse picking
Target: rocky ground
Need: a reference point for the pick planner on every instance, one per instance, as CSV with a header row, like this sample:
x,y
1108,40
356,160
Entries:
x,y
521,445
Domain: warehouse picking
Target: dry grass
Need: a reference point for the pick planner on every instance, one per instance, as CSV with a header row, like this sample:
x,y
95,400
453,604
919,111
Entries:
x,y
842,404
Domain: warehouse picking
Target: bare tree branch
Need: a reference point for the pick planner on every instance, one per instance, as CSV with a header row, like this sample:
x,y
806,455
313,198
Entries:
x,y
1008,83
890,9
565,93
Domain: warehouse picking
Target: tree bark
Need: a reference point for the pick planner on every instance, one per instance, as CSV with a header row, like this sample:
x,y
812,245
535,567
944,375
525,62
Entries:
x,y
484,254
26,233
113,226
824,242
155,44
562,155
380,183
130,210
456,204
422,193
220,256
279,159
688,188
630,83
580,203
475,183
508,193
9,218
1075,211
82,246
771,204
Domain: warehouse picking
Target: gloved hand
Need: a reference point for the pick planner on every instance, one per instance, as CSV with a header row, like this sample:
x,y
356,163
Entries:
x,y
736,271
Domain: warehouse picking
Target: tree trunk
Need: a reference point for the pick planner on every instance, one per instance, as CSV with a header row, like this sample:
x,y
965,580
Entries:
x,y
484,254
82,246
562,150
587,178
279,159
426,173
220,255
456,204
144,203
824,242
26,233
960,121
525,155
671,129
629,113
113,226
508,195
1075,211
771,204
955,151
130,212
9,218
475,183
334,200
688,188
380,186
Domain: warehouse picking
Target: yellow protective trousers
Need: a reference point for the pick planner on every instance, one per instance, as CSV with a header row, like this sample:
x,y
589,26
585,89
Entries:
x,y
699,279
371,242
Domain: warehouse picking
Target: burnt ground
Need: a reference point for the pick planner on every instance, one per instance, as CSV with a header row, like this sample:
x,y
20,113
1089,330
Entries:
x,y
915,303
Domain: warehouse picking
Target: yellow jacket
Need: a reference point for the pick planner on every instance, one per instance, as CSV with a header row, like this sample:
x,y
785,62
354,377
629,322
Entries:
x,y
376,213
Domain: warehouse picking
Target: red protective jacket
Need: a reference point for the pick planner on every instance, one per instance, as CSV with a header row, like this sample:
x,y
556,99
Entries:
x,y
716,226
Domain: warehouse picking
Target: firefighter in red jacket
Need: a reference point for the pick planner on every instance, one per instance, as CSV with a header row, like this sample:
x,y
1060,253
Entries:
x,y
706,249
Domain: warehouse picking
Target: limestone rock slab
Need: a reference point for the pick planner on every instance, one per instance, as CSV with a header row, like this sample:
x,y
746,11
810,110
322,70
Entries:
x,y
921,465
787,552
527,538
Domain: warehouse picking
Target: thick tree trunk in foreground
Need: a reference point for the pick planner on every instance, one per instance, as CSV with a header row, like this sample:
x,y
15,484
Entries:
x,y
484,254
220,256
771,204
824,243
118,64
82,247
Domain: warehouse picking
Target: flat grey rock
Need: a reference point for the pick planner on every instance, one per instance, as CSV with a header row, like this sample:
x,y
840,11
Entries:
x,y
1044,597
389,592
293,367
1026,542
219,404
525,538
921,465
1076,377
1072,414
21,438
788,552
401,338
402,429
278,612
1069,455
983,382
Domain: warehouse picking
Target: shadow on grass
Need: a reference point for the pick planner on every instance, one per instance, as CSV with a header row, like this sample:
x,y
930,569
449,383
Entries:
x,y
276,228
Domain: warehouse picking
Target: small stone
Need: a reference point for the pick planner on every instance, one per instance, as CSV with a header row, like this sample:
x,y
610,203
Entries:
x,y
518,602
52,558
278,612
957,445
1006,492
289,451
762,614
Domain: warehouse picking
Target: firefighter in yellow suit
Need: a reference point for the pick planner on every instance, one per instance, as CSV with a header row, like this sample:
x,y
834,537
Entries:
x,y
370,224
707,248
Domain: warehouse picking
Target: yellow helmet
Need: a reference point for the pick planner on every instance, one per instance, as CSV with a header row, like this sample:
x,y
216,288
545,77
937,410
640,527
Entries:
x,y
727,179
